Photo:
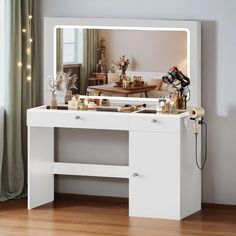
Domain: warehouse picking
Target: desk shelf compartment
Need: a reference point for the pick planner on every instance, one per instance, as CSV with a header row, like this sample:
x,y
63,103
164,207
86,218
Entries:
x,y
93,170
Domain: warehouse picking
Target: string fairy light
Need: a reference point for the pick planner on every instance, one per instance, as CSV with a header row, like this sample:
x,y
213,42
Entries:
x,y
27,34
19,64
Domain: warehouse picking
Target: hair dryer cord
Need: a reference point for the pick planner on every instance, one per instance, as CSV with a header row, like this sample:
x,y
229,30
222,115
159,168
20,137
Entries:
x,y
205,156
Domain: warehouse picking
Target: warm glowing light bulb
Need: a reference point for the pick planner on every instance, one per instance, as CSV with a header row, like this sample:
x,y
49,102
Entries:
x,y
28,78
30,16
31,40
24,30
19,64
28,51
28,66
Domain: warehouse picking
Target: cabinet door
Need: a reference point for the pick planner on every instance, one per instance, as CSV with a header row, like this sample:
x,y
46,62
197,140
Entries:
x,y
154,183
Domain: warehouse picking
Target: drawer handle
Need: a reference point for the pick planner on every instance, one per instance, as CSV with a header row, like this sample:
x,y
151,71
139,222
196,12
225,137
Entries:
x,y
154,121
135,174
77,117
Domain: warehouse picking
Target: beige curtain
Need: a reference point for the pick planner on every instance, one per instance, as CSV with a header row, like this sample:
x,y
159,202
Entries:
x,y
1,137
89,57
59,49
21,87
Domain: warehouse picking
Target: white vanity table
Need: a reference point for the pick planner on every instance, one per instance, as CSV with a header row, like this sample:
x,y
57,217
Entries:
x,y
164,181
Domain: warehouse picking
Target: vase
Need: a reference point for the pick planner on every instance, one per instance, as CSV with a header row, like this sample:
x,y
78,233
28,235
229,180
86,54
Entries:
x,y
53,101
122,76
123,72
68,96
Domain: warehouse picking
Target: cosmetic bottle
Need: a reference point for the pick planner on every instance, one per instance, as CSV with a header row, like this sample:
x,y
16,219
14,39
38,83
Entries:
x,y
163,107
73,104
180,102
184,102
167,105
172,103
172,107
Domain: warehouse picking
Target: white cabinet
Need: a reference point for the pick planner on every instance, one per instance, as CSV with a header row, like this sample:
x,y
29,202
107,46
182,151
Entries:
x,y
164,180
154,189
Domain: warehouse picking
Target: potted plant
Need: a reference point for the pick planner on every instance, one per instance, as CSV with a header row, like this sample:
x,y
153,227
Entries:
x,y
55,85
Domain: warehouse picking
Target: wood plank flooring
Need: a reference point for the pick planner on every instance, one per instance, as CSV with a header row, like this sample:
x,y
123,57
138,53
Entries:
x,y
71,216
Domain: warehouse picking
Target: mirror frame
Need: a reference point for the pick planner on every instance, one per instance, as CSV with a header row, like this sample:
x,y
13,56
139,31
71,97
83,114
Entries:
x,y
193,29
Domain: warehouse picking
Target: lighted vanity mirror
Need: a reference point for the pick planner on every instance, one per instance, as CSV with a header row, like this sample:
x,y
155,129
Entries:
x,y
92,49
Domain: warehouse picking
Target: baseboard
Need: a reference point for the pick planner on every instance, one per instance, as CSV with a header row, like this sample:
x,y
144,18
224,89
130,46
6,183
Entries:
x,y
219,206
91,198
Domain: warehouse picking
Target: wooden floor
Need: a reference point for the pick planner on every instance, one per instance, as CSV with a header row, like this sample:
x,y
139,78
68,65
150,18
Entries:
x,y
68,216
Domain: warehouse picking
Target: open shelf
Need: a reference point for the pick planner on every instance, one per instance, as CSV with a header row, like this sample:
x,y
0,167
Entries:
x,y
110,171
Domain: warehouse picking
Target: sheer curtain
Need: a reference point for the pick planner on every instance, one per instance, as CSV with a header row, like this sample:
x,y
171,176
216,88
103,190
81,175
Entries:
x,y
2,75
20,92
59,49
90,56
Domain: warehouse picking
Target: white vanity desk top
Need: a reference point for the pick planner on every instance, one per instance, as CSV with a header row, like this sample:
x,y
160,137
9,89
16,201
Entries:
x,y
43,109
42,117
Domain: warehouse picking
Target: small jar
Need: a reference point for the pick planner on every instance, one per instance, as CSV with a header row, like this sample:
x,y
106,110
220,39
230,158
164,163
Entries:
x,y
73,104
97,101
105,102
92,106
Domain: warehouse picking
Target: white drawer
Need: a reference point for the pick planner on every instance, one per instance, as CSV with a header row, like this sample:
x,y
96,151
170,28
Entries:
x,y
77,119
154,123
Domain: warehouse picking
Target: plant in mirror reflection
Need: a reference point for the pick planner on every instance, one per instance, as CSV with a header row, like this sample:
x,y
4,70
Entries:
x,y
70,80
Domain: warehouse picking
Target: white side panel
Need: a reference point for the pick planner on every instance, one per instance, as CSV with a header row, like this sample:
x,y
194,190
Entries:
x,y
190,174
40,166
155,192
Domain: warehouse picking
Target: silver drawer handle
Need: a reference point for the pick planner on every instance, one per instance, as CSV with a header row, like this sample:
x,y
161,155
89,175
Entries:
x,y
77,117
154,121
135,174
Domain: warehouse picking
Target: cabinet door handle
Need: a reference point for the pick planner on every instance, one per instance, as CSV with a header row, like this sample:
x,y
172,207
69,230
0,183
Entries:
x,y
77,117
154,121
135,174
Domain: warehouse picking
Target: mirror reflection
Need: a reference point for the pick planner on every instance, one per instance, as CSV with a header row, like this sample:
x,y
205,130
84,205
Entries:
x,y
126,63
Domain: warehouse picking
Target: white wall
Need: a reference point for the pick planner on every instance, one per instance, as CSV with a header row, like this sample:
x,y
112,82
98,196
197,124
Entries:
x,y
149,51
218,62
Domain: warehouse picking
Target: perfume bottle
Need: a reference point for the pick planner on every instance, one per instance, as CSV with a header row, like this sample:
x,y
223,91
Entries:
x,y
73,104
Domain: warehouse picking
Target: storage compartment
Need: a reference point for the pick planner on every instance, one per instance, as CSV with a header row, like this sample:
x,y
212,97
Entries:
x,y
96,148
154,123
77,119
154,185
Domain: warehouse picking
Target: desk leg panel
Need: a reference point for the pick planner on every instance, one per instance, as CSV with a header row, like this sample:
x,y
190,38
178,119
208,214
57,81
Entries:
x,y
40,166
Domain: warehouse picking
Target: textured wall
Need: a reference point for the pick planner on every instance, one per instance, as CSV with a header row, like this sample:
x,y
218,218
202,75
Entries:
x,y
149,51
218,62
